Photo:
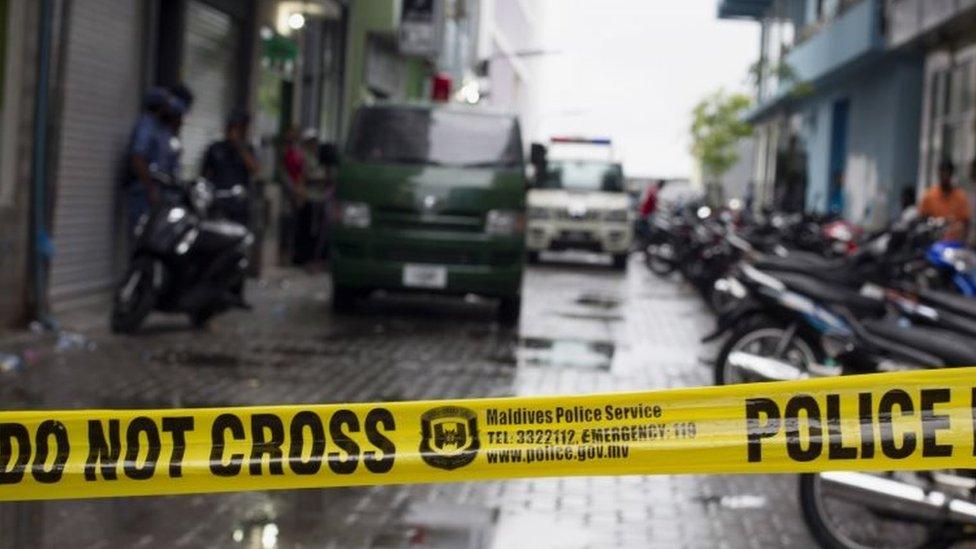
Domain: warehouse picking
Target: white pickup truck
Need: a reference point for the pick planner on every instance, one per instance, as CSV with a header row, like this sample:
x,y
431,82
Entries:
x,y
580,204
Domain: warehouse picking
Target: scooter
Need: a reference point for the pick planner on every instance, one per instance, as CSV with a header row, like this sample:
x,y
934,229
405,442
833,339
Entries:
x,y
185,260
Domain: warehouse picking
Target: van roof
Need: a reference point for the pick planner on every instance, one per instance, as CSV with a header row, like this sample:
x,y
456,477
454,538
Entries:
x,y
445,106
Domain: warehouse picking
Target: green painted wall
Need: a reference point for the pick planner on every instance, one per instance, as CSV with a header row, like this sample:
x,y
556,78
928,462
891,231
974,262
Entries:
x,y
379,17
365,16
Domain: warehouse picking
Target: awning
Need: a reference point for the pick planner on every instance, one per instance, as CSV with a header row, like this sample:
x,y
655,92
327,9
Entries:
x,y
752,9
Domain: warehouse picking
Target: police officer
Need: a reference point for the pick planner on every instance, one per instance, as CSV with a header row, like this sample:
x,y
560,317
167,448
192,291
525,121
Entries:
x,y
230,162
146,151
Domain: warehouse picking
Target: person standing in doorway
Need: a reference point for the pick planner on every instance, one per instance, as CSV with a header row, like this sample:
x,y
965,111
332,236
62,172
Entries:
x,y
948,202
303,241
229,163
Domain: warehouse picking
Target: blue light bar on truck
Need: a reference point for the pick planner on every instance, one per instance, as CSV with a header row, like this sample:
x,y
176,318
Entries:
x,y
586,140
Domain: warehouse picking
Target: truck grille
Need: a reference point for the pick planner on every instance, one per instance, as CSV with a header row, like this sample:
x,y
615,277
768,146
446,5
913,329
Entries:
x,y
409,220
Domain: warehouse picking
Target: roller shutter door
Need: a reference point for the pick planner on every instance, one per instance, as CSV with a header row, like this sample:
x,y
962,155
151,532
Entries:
x,y
102,81
209,70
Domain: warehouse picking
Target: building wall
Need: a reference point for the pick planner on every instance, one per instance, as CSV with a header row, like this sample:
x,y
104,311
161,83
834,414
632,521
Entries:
x,y
882,152
18,102
510,39
365,17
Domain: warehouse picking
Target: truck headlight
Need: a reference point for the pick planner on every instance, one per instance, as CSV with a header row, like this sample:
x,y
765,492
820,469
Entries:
x,y
504,222
355,214
538,213
619,216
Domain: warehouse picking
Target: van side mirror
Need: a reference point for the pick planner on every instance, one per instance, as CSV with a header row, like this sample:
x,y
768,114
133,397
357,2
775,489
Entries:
x,y
538,157
329,155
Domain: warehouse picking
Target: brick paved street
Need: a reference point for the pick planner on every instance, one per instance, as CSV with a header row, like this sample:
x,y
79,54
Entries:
x,y
584,329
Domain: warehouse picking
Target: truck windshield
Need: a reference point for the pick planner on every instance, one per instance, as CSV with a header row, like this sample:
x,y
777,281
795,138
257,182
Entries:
x,y
434,137
584,175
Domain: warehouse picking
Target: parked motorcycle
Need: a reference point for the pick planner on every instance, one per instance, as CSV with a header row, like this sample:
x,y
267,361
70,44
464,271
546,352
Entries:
x,y
185,259
792,326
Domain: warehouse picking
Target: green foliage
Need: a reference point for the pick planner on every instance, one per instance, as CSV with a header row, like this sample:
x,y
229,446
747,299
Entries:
x,y
784,72
716,127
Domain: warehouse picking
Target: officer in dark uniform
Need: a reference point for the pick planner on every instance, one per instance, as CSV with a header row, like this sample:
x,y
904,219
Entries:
x,y
230,162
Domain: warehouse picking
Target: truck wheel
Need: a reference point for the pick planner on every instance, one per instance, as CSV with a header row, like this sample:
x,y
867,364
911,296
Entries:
x,y
532,257
343,298
509,309
620,262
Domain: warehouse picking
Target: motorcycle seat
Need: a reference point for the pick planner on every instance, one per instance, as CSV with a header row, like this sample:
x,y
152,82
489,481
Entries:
x,y
832,293
830,270
952,348
956,303
219,235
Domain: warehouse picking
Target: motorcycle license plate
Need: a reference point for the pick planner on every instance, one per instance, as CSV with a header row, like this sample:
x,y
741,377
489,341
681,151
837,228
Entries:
x,y
425,276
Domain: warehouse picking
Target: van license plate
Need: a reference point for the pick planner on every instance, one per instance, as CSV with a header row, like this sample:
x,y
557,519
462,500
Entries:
x,y
424,276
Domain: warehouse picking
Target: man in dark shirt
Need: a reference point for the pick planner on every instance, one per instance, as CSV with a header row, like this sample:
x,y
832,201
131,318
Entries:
x,y
231,162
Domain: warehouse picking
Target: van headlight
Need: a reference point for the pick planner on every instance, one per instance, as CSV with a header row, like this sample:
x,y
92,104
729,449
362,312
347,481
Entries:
x,y
504,222
355,214
537,213
618,216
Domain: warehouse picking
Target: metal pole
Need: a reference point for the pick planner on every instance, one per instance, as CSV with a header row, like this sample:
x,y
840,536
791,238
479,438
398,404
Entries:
x,y
41,240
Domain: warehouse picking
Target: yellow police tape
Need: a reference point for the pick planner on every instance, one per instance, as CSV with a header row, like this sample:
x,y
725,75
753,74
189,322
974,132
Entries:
x,y
910,420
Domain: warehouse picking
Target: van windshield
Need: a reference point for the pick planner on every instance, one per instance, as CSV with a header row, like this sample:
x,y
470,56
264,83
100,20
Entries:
x,y
584,175
434,137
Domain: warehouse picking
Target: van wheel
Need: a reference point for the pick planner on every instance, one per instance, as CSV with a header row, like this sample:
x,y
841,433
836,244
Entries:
x,y
343,298
620,262
509,309
532,257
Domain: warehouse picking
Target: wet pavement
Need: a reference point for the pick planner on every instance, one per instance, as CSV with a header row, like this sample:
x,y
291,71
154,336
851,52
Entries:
x,y
585,328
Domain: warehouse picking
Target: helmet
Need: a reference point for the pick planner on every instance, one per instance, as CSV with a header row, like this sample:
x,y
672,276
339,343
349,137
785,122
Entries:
x,y
154,98
175,106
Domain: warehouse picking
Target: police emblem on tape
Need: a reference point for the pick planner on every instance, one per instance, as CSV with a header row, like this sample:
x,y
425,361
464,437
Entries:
x,y
449,437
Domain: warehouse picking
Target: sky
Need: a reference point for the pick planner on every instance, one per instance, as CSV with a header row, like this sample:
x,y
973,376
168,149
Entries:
x,y
633,70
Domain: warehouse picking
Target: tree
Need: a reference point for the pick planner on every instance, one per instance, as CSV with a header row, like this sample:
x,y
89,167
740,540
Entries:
x,y
716,127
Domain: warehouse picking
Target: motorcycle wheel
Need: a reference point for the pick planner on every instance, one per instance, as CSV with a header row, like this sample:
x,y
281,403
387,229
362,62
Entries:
x,y
764,336
200,318
842,524
719,302
658,258
135,296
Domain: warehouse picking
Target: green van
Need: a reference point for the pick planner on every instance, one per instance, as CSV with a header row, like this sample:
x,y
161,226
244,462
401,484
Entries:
x,y
430,198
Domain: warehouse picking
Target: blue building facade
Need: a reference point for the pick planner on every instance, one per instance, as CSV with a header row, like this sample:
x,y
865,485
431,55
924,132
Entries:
x,y
838,111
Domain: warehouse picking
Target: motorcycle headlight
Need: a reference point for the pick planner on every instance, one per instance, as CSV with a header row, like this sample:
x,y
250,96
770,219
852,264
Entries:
x,y
619,216
539,213
355,214
503,222
962,259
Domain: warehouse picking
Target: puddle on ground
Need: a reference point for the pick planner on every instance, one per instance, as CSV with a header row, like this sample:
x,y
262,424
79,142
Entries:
x,y
570,353
190,357
441,525
592,316
598,300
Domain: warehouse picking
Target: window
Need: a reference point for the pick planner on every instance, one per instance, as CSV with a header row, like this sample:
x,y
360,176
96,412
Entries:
x,y
584,176
951,110
407,135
